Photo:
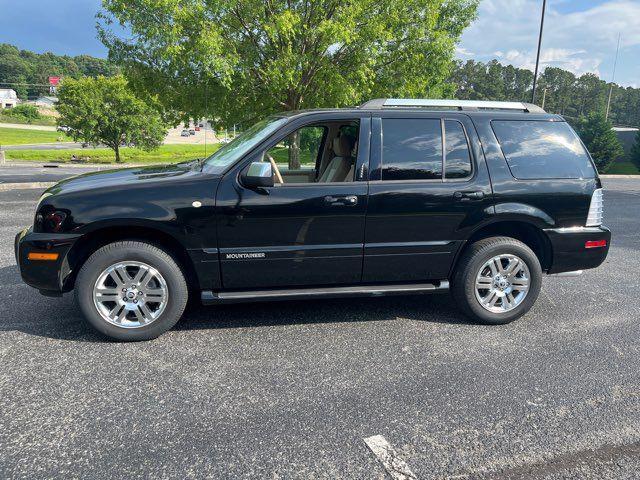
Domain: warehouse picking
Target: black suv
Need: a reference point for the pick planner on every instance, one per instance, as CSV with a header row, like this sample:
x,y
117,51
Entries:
x,y
393,197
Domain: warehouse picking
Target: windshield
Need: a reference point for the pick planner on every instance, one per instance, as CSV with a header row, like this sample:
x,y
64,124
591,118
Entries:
x,y
242,144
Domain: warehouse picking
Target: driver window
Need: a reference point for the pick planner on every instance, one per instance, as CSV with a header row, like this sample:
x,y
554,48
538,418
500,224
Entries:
x,y
315,154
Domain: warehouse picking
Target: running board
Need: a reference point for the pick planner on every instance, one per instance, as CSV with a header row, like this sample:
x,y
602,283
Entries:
x,y
208,297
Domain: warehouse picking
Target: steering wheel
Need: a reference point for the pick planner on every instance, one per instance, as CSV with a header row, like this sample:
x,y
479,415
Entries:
x,y
275,168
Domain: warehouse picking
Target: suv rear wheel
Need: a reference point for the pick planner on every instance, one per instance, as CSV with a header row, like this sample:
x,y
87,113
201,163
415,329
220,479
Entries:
x,y
131,291
497,280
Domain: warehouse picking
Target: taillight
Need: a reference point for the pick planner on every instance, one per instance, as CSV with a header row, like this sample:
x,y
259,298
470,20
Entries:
x,y
595,244
594,218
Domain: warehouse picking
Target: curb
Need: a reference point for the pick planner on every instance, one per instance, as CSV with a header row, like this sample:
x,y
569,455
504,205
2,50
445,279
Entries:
x,y
620,176
4,187
97,166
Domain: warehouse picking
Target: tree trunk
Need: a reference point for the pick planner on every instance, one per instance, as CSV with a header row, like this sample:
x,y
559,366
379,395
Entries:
x,y
294,150
117,150
293,103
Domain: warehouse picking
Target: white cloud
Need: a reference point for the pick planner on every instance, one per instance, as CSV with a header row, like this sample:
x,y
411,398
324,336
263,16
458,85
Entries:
x,y
580,41
463,52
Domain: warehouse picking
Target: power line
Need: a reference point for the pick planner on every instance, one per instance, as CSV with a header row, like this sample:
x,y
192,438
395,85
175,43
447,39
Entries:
x,y
613,77
535,75
26,84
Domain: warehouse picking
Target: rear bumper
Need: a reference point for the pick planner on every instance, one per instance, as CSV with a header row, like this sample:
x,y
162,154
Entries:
x,y
569,252
46,276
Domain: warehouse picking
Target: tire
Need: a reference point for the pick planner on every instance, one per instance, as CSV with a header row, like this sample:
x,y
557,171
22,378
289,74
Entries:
x,y
477,264
162,290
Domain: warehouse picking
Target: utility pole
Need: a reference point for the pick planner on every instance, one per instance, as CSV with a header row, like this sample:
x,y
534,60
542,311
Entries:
x,y
535,75
613,77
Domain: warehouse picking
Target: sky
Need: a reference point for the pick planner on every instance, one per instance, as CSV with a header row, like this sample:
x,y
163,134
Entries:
x,y
579,35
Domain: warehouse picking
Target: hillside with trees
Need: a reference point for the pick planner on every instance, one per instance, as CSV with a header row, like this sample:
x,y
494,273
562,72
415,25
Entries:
x,y
567,94
26,67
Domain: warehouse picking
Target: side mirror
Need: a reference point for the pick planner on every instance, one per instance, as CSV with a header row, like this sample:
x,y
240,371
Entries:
x,y
259,174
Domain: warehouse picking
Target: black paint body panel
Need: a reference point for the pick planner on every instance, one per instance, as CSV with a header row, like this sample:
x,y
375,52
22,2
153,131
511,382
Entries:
x,y
289,236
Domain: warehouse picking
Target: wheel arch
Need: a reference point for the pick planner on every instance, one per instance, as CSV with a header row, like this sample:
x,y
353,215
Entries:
x,y
529,232
91,241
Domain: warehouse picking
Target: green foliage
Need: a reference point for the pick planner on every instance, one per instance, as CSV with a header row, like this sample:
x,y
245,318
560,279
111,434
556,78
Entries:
x,y
239,60
311,138
603,144
28,113
635,151
23,66
104,110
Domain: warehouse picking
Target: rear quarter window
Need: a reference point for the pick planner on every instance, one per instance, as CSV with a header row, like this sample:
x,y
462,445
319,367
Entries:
x,y
537,149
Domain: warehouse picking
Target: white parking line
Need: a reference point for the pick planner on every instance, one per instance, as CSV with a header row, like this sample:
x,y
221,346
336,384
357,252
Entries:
x,y
393,464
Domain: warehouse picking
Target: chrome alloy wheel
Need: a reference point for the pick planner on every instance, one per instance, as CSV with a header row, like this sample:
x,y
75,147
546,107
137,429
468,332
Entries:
x,y
502,283
130,294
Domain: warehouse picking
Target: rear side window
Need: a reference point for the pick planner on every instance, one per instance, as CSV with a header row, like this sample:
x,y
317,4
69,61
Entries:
x,y
457,159
541,149
411,149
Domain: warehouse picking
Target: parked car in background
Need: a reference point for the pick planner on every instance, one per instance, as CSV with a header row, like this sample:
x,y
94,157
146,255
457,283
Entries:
x,y
185,133
192,131
395,197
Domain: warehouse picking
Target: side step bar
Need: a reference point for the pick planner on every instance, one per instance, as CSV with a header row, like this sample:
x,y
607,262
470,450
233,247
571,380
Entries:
x,y
208,297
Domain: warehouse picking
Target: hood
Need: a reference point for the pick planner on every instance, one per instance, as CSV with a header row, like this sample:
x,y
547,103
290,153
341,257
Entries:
x,y
123,177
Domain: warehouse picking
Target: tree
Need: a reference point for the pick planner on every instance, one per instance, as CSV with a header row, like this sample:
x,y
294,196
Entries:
x,y
24,111
238,60
635,151
105,110
598,135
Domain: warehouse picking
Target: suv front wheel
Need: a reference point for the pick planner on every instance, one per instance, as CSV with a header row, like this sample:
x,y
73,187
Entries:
x,y
131,290
497,280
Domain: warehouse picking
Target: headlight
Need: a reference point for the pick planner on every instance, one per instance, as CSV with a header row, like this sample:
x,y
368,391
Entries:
x,y
51,222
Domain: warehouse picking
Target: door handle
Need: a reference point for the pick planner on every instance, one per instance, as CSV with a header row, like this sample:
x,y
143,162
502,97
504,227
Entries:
x,y
347,200
462,196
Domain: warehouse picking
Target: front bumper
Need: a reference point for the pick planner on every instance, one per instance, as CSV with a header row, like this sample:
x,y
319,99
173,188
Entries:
x,y
569,252
47,276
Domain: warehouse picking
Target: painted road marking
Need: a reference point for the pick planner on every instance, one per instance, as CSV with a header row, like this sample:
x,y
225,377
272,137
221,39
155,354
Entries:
x,y
393,464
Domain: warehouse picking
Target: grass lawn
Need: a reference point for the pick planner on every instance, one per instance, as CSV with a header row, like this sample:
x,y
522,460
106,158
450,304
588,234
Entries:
x,y
164,154
281,156
623,168
44,120
19,136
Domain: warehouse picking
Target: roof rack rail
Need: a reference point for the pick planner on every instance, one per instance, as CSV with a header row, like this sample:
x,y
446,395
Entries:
x,y
457,104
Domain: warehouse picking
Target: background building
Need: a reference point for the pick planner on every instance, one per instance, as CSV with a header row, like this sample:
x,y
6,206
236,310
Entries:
x,y
627,136
8,98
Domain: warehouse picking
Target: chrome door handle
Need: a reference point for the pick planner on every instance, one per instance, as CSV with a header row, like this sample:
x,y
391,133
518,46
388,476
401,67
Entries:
x,y
347,200
477,195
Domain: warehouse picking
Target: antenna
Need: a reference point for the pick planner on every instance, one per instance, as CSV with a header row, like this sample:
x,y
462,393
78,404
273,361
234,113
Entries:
x,y
613,76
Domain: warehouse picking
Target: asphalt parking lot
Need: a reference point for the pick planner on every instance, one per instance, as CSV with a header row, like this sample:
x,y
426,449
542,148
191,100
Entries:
x,y
290,390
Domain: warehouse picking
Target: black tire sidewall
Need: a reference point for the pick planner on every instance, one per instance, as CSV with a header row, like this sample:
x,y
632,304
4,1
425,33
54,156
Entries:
x,y
132,251
474,259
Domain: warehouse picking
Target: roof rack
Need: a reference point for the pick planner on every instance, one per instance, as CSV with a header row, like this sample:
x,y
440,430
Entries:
x,y
457,104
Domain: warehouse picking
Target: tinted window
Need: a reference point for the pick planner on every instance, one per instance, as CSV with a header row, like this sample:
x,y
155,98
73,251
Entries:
x,y
458,158
411,149
539,149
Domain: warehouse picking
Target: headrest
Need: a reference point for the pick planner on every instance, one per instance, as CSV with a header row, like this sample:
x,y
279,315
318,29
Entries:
x,y
343,145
